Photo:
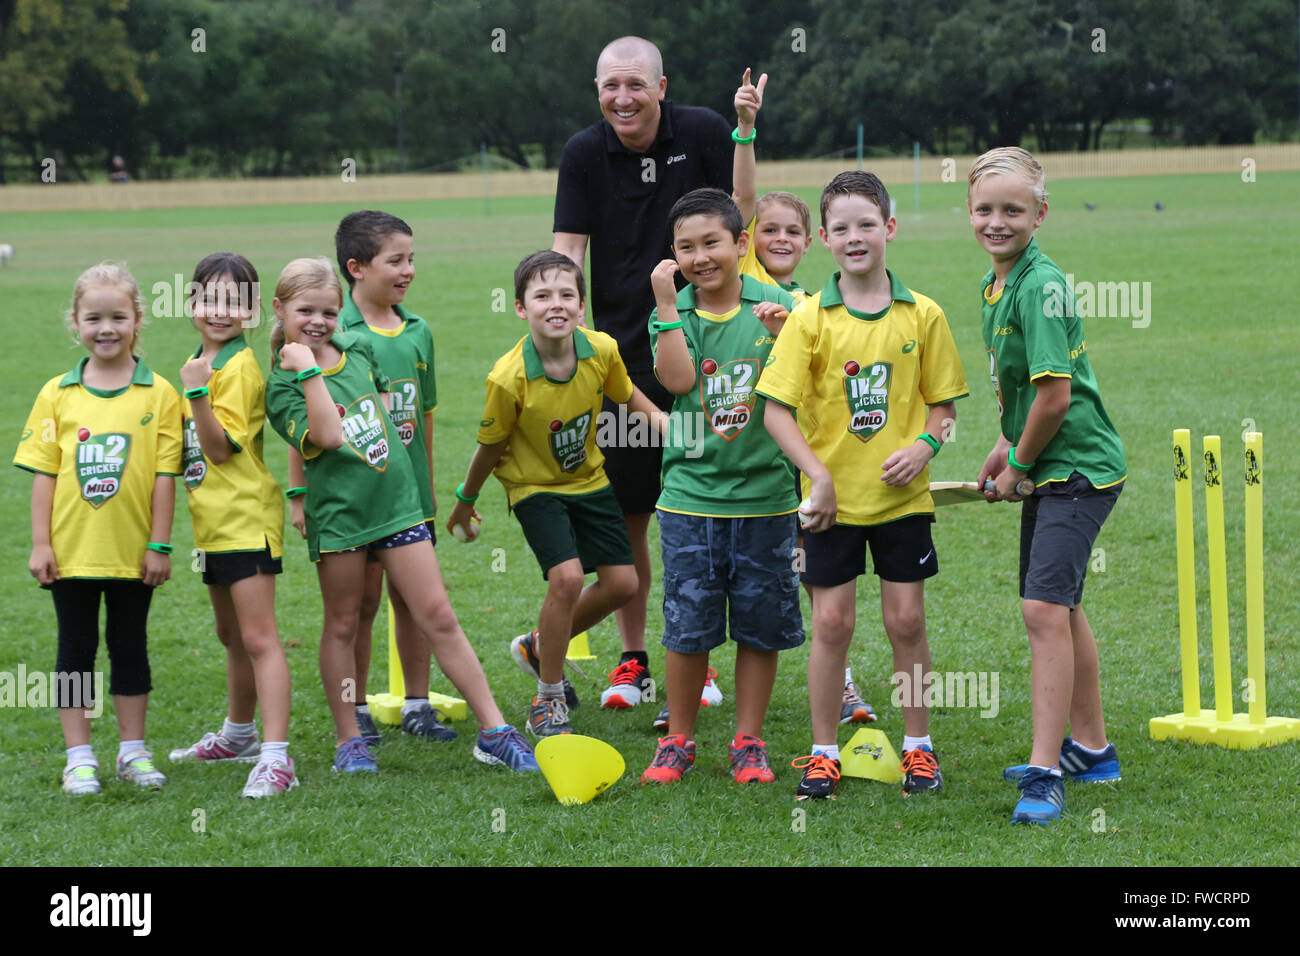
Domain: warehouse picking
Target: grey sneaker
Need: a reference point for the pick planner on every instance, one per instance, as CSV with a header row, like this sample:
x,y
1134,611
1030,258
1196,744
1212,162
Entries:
x,y
137,768
548,718
80,781
269,778
425,722
218,748
855,710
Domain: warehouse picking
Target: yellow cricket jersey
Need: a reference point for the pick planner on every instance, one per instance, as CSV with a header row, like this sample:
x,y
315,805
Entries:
x,y
862,384
235,506
551,425
752,265
105,449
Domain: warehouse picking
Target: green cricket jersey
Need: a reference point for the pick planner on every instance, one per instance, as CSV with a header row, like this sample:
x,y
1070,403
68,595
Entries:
x,y
719,460
363,490
1031,330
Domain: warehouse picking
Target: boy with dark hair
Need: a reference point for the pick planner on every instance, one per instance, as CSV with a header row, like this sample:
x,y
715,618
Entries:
x,y
872,367
538,434
726,514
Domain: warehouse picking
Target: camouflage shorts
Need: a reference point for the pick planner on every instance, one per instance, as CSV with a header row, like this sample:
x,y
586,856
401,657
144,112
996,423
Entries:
x,y
737,571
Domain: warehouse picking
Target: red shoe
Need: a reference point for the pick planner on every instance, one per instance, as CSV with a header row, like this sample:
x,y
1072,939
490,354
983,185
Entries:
x,y
673,758
628,683
749,760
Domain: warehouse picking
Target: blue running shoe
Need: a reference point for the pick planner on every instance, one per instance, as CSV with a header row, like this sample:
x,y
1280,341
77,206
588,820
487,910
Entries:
x,y
1081,766
354,756
1042,797
506,748
426,721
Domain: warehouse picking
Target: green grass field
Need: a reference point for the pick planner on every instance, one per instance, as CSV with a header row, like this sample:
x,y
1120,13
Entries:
x,y
1220,349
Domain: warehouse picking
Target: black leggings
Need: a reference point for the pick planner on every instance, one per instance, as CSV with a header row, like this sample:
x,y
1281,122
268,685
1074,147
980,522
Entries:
x,y
76,604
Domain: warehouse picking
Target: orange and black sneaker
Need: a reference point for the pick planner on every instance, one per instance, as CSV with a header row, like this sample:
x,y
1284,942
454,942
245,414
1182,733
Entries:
x,y
855,710
674,756
922,769
821,775
749,760
548,717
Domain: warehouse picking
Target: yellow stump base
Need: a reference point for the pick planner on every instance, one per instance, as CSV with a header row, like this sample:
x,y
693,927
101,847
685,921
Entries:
x,y
387,708
580,648
869,754
1235,734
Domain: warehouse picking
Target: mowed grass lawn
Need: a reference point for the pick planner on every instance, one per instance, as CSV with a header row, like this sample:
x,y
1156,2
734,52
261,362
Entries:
x,y
1220,349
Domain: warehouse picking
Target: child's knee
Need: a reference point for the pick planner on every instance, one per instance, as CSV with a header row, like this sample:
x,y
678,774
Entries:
x,y
564,582
833,626
623,582
905,625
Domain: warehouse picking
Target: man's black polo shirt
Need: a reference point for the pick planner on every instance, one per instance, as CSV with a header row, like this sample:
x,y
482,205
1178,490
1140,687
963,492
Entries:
x,y
621,199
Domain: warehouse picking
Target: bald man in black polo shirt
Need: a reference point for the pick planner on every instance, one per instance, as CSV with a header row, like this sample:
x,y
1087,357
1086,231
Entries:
x,y
618,181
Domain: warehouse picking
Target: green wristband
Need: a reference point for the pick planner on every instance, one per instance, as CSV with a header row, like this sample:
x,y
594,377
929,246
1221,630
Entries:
x,y
199,392
667,326
160,548
461,496
295,493
1011,460
743,140
308,373
931,441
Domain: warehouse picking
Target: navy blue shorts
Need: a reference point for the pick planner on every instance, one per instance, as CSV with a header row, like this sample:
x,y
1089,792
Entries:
x,y
737,571
411,535
1058,526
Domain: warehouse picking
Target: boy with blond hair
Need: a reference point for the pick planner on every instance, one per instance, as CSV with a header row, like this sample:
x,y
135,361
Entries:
x,y
873,371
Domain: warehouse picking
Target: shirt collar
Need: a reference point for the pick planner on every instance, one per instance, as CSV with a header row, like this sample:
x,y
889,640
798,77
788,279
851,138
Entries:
x,y
749,292
1031,253
228,351
141,375
533,362
831,291
350,316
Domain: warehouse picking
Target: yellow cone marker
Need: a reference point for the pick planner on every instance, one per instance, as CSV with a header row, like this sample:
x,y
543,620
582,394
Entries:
x,y
869,754
580,648
577,767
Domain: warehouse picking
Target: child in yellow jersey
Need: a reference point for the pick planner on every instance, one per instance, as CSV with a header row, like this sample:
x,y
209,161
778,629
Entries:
x,y
104,445
237,513
538,434
780,226
873,371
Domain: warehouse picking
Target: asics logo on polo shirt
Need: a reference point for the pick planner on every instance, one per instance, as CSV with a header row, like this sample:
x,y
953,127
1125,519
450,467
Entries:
x,y
908,346
27,433
147,419
1003,330
676,159
486,422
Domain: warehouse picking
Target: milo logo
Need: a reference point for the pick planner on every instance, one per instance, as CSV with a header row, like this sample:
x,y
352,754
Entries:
x,y
867,392
193,466
363,432
101,460
727,394
569,441
405,408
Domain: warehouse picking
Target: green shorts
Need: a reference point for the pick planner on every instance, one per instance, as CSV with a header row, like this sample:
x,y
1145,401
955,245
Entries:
x,y
562,527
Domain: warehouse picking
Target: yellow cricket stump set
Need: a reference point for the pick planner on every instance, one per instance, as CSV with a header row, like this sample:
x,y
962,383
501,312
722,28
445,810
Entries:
x,y
1221,726
387,708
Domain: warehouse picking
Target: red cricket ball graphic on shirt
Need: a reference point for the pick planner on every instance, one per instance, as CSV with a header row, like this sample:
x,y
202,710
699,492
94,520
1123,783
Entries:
x,y
83,434
341,410
556,425
708,366
852,368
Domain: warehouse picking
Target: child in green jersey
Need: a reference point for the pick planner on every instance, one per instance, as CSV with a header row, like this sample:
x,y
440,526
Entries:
x,y
1055,430
103,443
237,511
726,513
323,398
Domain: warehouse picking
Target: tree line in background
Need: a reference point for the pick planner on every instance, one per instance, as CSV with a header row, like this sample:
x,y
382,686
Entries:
x,y
292,87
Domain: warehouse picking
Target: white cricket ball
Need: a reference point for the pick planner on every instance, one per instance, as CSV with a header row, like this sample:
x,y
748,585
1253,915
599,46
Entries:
x,y
805,509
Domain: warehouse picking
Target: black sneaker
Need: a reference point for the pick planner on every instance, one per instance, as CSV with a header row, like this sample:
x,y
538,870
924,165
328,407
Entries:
x,y
922,769
524,650
366,727
548,718
821,775
424,722
661,721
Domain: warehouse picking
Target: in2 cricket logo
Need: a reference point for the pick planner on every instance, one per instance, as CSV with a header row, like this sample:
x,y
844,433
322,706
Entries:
x,y
193,465
867,392
404,410
364,433
101,461
727,394
569,441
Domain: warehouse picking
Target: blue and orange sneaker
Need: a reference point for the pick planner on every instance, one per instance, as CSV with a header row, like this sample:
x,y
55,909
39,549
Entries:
x,y
1081,766
821,775
921,767
1042,797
